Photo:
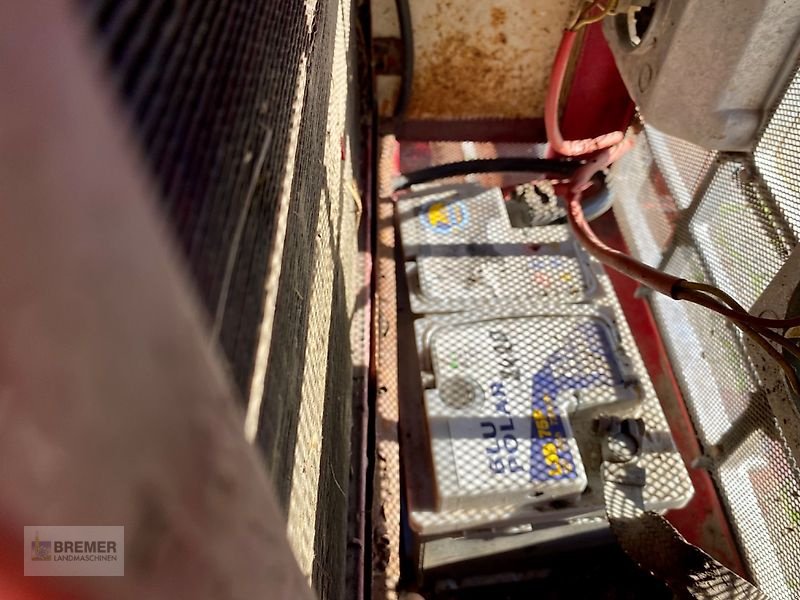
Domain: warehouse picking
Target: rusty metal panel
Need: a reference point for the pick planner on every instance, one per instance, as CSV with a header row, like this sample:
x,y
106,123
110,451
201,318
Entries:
x,y
476,59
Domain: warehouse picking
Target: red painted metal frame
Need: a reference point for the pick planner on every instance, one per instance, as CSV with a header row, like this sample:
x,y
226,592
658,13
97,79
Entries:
x,y
598,103
597,100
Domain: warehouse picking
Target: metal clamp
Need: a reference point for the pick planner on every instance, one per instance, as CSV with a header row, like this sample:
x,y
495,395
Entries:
x,y
622,438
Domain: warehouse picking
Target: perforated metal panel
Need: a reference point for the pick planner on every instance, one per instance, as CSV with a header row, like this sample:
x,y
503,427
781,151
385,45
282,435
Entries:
x,y
210,95
731,220
778,155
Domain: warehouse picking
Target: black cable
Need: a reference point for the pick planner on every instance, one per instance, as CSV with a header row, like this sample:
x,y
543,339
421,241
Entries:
x,y
407,38
564,167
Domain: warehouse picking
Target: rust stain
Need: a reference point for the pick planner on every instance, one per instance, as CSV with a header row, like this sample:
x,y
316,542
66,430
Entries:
x,y
462,78
476,60
498,16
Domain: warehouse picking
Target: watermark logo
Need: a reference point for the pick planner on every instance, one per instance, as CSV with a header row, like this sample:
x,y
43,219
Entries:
x,y
41,550
80,551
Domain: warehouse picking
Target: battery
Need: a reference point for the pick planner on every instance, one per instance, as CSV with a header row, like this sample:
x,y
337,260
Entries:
x,y
523,344
576,355
574,363
462,253
498,417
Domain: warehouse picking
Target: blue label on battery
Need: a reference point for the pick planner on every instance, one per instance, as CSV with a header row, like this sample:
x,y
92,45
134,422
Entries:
x,y
551,456
444,216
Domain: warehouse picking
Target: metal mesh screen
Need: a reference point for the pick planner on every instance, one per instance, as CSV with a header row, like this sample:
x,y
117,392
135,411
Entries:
x,y
210,96
247,117
730,220
778,155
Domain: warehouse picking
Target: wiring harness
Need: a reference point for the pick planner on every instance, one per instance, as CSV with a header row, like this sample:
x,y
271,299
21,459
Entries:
x,y
602,152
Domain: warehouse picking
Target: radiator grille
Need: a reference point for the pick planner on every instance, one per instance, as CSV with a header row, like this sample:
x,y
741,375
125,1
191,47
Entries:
x,y
730,220
206,89
247,117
